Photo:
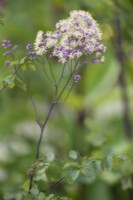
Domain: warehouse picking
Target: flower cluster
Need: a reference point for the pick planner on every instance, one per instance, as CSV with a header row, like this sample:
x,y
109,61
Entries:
x,y
78,35
6,44
32,52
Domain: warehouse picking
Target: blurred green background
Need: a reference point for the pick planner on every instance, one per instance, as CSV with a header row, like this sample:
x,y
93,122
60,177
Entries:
x,y
97,117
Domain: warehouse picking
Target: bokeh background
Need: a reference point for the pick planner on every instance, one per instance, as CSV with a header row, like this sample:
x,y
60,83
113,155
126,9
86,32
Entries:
x,y
97,117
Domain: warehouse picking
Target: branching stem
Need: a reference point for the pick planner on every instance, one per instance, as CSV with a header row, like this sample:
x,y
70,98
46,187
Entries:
x,y
55,100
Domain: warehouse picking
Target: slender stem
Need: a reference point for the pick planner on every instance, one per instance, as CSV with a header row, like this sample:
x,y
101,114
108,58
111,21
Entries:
x,y
64,87
31,181
69,91
12,55
52,72
54,184
14,74
54,101
62,74
68,80
36,111
3,87
43,125
71,66
42,131
46,73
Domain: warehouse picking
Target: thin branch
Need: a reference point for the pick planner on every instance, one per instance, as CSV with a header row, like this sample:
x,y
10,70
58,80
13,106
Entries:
x,y
46,73
3,87
42,127
51,70
14,74
35,110
70,66
42,130
31,181
54,101
69,91
69,78
54,184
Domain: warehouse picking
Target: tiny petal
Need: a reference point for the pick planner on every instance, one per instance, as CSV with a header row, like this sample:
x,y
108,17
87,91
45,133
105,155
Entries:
x,y
32,52
50,56
32,59
95,61
77,78
7,63
6,53
15,47
29,46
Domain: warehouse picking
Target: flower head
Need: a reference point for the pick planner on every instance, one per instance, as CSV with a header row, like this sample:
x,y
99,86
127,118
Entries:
x,y
6,44
73,37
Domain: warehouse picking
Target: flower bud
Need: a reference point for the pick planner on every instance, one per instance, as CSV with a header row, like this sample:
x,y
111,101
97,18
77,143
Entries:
x,y
77,78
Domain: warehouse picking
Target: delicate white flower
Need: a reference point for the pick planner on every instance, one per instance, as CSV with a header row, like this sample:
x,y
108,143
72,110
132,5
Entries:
x,y
75,36
102,59
38,45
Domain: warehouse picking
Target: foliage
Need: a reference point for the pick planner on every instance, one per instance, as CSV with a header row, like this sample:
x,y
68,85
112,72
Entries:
x,y
87,154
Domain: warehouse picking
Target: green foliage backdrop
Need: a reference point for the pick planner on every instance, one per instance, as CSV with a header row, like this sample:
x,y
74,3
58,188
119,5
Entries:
x,y
91,123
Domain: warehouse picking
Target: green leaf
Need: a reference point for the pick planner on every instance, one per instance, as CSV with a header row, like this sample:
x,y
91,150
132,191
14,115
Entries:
x,y
28,197
72,175
41,196
123,157
32,66
20,83
16,62
73,154
9,80
38,60
22,61
26,186
34,191
24,67
108,162
89,172
97,166
50,197
71,164
28,65
110,177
